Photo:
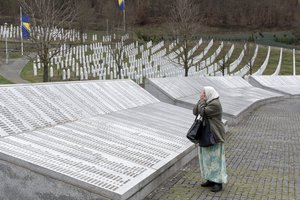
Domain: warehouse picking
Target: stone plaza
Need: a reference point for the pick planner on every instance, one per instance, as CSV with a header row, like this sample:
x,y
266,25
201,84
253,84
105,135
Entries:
x,y
262,155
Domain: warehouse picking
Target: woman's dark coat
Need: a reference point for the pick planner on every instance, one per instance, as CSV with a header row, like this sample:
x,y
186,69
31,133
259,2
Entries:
x,y
213,111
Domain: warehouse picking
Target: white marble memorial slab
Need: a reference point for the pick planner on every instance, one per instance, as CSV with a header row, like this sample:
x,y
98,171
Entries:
x,y
288,85
108,137
237,96
29,107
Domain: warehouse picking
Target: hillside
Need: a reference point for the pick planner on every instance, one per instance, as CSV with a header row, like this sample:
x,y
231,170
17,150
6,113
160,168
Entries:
x,y
233,14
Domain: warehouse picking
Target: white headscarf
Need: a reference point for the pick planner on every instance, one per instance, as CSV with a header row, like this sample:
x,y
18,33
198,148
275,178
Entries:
x,y
210,93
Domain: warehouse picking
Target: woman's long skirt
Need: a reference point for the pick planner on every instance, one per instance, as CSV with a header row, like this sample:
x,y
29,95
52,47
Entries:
x,y
212,163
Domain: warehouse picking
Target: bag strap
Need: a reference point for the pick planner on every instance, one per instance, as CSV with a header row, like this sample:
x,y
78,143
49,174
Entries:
x,y
196,117
205,115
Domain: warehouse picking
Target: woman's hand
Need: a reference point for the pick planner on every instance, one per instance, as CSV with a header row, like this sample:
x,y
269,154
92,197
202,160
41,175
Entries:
x,y
202,96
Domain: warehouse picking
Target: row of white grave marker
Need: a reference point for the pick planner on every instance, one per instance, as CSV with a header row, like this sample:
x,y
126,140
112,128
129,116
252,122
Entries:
x,y
262,68
75,62
86,60
216,69
9,31
13,32
243,71
279,64
235,63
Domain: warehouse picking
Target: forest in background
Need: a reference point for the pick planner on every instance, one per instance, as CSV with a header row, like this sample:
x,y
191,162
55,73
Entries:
x,y
228,14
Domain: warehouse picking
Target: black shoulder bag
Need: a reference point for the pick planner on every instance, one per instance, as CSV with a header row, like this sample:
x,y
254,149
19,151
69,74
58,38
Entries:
x,y
192,133
206,136
200,132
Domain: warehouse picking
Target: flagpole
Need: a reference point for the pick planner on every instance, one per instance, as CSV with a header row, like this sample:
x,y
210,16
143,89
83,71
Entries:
x,y
6,35
21,32
124,17
294,63
106,26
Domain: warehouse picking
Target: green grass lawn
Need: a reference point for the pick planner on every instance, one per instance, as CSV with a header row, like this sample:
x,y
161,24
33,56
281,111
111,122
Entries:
x,y
223,52
238,47
11,55
286,69
273,61
4,81
27,74
297,62
14,48
198,50
201,48
260,58
212,50
287,63
248,55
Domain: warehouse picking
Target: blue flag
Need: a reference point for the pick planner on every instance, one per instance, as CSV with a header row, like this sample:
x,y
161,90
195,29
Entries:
x,y
121,4
25,26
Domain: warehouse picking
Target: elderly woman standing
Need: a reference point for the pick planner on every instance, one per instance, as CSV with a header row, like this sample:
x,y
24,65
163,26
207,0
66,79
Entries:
x,y
212,159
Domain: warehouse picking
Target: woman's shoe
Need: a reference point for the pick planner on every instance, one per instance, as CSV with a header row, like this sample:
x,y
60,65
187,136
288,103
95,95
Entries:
x,y
217,187
208,184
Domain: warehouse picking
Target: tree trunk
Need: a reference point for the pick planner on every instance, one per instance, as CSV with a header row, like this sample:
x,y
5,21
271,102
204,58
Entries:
x,y
186,71
45,75
186,58
46,62
119,72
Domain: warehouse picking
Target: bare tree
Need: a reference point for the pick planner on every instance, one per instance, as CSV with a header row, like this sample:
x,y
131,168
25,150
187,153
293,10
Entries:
x,y
117,54
184,25
47,16
117,51
224,62
249,54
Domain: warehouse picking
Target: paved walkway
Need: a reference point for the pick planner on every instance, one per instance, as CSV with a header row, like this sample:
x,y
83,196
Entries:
x,y
12,70
263,160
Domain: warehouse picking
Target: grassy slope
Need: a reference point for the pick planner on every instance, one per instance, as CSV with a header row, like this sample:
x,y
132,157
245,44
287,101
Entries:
x,y
260,58
222,54
287,63
248,55
297,62
273,61
236,53
286,69
4,81
27,74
